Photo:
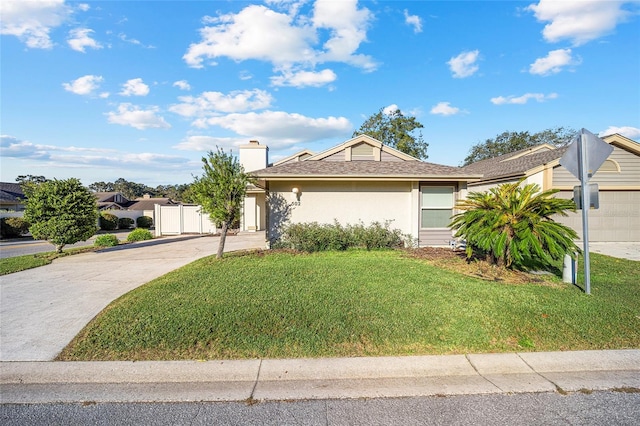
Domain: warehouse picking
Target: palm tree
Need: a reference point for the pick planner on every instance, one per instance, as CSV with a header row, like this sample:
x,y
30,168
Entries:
x,y
512,226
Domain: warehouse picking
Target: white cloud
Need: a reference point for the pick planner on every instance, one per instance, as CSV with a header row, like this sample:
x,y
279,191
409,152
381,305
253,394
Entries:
x,y
627,131
444,108
211,103
32,21
131,115
579,21
124,38
282,128
206,143
464,65
182,85
12,147
84,7
286,40
520,100
304,78
134,87
348,26
85,85
388,110
256,32
79,38
414,21
553,62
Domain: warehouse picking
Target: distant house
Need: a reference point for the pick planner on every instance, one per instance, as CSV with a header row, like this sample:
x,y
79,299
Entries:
x,y
111,201
617,218
116,203
11,197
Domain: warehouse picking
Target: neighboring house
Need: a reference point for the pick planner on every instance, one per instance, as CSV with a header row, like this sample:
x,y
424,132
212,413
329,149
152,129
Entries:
x,y
358,181
146,204
11,197
118,204
618,217
111,201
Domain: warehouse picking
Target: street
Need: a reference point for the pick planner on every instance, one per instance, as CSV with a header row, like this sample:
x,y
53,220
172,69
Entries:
x,y
551,408
24,246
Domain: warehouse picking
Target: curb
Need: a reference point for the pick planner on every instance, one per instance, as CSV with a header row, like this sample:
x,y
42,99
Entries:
x,y
325,378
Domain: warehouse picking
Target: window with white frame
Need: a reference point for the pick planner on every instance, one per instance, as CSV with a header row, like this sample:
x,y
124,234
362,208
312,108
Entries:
x,y
436,204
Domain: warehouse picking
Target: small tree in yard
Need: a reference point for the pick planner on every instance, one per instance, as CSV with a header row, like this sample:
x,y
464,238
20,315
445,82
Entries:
x,y
512,226
61,212
221,190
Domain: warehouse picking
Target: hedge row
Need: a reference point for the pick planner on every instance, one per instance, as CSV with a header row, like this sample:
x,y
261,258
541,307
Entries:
x,y
312,237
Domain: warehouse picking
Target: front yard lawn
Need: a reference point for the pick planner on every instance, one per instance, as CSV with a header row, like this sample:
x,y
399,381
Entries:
x,y
357,303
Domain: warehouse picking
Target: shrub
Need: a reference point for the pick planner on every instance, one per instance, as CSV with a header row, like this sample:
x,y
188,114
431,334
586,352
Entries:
x,y
106,240
377,236
144,222
513,226
125,223
139,234
312,237
108,221
12,227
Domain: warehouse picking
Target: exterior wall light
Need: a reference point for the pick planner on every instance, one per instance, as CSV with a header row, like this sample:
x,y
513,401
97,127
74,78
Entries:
x,y
296,193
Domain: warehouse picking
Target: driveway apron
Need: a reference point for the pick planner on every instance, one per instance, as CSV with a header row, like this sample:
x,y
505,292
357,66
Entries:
x,y
42,309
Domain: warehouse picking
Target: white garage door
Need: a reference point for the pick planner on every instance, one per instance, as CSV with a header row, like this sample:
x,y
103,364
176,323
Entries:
x,y
617,219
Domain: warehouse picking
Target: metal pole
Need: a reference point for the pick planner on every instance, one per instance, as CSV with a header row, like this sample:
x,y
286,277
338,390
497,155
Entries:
x,y
586,205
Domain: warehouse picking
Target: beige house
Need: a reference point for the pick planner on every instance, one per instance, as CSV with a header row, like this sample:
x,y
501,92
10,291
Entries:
x,y
360,180
618,179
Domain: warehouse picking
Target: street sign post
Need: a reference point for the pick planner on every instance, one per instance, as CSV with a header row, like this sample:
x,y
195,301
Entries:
x,y
583,158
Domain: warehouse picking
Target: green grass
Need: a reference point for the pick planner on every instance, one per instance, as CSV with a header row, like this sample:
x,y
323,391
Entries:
x,y
10,265
356,303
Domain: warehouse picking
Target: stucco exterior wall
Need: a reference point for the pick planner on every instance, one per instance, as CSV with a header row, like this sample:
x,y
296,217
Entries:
x,y
347,202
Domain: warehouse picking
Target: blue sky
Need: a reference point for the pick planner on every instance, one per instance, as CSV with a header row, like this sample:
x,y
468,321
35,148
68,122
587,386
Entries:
x,y
141,90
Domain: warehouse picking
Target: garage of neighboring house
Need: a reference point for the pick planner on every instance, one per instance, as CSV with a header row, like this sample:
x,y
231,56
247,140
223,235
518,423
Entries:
x,y
618,217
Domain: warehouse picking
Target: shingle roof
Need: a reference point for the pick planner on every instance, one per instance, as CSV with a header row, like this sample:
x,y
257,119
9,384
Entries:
x,y
493,168
11,192
149,203
363,169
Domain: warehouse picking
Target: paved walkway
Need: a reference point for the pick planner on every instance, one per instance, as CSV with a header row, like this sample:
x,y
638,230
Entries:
x,y
42,309
328,378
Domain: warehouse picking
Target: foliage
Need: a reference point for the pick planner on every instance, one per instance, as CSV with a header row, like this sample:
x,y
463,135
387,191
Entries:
x,y
133,190
139,234
108,221
106,240
356,303
508,142
396,130
513,226
12,227
125,223
312,237
30,179
221,190
144,222
61,212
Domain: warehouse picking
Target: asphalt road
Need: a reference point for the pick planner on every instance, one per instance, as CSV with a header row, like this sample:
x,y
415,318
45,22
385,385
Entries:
x,y
596,408
24,246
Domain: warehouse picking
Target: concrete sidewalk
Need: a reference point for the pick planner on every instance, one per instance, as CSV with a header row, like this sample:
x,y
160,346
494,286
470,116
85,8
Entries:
x,y
42,309
328,378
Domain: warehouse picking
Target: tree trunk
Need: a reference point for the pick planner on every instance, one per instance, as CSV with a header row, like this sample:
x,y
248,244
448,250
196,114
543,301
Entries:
x,y
223,238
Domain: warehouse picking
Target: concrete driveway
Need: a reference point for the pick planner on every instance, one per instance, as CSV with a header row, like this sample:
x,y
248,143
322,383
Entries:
x,y
42,309
629,250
